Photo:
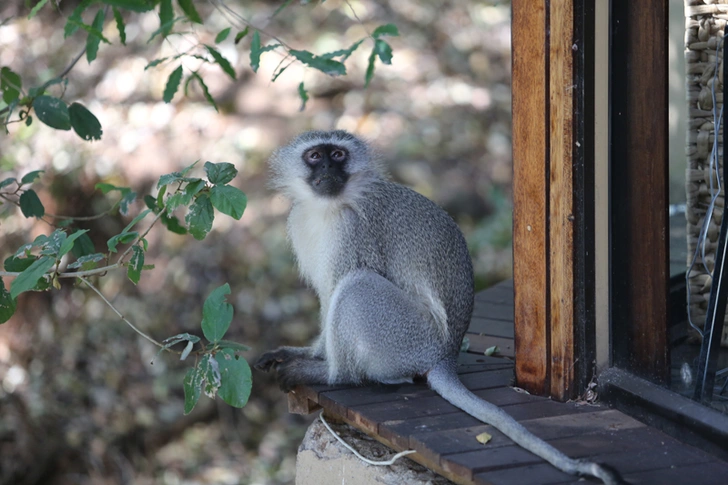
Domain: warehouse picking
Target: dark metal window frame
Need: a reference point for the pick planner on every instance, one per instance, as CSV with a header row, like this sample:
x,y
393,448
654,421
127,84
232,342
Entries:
x,y
640,292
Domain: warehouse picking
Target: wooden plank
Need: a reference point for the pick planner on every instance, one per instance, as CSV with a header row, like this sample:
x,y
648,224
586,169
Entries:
x,y
545,473
458,439
480,343
561,194
530,203
639,173
494,312
496,328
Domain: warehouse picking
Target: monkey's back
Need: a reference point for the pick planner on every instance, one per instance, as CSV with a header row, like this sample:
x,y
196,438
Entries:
x,y
415,244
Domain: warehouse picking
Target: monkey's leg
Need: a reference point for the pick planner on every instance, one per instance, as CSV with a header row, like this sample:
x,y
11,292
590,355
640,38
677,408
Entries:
x,y
375,331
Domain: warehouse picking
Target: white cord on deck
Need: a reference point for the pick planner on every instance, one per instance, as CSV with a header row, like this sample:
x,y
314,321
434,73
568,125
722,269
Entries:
x,y
365,460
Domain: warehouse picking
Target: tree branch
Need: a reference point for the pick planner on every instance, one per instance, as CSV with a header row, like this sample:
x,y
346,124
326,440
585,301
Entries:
x,y
123,318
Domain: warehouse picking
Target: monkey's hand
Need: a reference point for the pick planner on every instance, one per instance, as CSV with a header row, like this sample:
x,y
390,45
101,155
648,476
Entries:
x,y
294,366
270,360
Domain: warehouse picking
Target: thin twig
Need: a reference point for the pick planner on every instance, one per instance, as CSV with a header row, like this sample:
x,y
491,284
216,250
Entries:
x,y
227,12
63,74
156,218
124,319
351,7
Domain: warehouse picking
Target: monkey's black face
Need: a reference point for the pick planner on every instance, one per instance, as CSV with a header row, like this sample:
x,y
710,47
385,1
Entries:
x,y
328,169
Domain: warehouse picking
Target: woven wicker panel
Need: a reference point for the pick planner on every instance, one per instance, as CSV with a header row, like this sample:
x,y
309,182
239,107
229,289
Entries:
x,y
705,26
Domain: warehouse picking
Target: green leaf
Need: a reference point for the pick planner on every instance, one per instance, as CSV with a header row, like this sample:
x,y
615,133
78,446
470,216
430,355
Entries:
x,y
133,5
84,123
123,238
155,63
220,173
74,20
239,36
13,264
127,198
236,378
229,200
303,94
229,344
173,225
85,261
184,197
37,8
384,51
255,52
370,67
222,35
53,243
120,25
27,279
7,182
199,218
172,84
224,63
344,53
169,178
189,9
7,303
192,385
205,91
53,112
386,29
67,244
166,16
279,9
10,85
211,372
83,246
136,220
180,337
31,205
31,177
136,264
106,188
216,314
161,30
28,120
93,39
327,66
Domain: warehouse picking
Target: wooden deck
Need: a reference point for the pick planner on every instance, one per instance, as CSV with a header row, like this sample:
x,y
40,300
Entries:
x,y
413,417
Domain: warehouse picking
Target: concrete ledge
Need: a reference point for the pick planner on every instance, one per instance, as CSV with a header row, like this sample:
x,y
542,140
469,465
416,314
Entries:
x,y
322,460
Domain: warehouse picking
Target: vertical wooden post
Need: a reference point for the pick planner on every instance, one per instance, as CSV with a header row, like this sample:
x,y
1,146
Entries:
x,y
530,197
562,87
545,192
639,181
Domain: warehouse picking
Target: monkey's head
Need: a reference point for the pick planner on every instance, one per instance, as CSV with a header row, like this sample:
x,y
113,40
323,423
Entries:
x,y
322,164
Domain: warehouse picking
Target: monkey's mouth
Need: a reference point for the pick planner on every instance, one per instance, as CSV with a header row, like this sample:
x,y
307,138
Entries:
x,y
328,185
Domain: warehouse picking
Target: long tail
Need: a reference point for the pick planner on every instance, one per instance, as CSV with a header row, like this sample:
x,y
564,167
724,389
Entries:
x,y
443,379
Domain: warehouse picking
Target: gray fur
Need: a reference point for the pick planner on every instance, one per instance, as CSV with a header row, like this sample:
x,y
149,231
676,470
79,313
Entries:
x,y
395,281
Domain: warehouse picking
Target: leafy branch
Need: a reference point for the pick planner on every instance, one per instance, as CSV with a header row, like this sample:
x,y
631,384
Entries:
x,y
36,266
56,113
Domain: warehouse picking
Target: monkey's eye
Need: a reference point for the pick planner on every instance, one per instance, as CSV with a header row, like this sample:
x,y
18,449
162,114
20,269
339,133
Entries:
x,y
338,155
313,156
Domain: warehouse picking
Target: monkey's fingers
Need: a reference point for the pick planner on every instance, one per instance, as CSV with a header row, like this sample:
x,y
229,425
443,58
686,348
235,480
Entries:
x,y
268,361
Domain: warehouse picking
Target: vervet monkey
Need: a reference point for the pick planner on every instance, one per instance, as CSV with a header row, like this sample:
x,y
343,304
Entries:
x,y
394,278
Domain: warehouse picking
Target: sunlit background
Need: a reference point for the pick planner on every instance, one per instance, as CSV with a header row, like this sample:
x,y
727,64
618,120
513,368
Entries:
x,y
80,401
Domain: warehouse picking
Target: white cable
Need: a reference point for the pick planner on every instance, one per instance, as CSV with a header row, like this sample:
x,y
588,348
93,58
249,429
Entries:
x,y
365,460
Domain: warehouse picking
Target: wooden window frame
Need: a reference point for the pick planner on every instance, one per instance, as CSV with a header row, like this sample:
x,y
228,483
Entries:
x,y
592,296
